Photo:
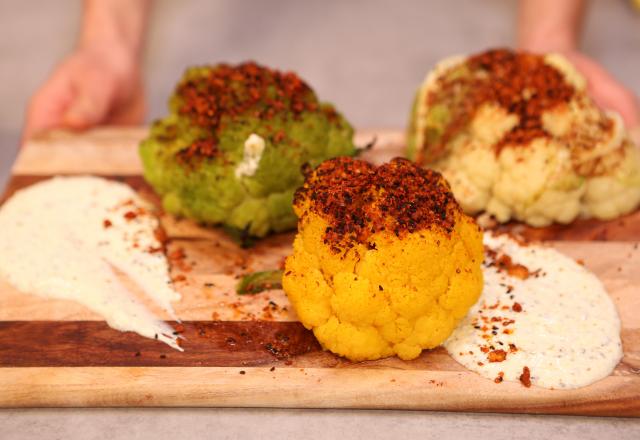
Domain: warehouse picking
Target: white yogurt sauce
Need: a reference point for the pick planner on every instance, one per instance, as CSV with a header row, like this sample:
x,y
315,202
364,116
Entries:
x,y
62,238
567,331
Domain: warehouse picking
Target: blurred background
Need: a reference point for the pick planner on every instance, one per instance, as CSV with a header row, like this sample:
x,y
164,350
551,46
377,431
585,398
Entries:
x,y
367,57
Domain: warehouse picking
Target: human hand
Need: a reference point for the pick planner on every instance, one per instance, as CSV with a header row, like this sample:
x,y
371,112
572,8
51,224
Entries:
x,y
605,90
552,26
92,86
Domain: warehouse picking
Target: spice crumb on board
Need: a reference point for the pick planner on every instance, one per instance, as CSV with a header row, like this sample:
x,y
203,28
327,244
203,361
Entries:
x,y
178,259
179,278
258,307
525,377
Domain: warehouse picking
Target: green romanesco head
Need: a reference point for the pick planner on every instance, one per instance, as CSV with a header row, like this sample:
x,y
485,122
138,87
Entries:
x,y
232,147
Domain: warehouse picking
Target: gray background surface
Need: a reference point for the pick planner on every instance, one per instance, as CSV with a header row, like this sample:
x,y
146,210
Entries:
x,y
279,424
365,56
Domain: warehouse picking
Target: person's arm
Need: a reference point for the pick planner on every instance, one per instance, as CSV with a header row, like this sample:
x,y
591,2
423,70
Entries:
x,y
555,26
100,81
550,25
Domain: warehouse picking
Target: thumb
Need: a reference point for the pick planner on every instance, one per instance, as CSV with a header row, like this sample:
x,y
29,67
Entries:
x,y
92,102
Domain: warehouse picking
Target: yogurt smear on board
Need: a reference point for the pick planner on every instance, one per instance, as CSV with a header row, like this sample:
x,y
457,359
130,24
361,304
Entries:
x,y
542,319
67,238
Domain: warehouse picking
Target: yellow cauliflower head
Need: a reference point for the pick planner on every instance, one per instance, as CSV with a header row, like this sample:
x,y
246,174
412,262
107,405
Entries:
x,y
385,262
516,135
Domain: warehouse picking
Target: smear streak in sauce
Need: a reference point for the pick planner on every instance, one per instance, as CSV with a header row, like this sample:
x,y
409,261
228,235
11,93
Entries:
x,y
67,238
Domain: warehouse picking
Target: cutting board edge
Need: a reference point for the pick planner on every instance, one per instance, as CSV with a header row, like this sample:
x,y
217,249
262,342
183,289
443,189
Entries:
x,y
80,385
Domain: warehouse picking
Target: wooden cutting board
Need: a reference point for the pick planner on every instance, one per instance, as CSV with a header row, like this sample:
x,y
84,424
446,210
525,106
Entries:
x,y
250,351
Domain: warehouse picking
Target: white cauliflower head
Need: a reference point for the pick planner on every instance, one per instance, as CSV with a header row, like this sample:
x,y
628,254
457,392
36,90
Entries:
x,y
517,136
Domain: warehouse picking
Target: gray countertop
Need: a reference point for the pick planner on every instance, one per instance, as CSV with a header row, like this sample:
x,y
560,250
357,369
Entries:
x,y
188,423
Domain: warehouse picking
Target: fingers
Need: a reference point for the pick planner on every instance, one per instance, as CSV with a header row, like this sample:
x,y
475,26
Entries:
x,y
624,103
94,94
80,94
608,93
132,111
48,105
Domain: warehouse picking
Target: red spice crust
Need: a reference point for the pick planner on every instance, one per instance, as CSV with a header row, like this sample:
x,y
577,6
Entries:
x,y
520,82
359,199
247,89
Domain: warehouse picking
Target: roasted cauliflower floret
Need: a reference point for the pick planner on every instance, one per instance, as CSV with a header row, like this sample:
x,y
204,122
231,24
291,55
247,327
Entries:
x,y
516,135
385,262
231,149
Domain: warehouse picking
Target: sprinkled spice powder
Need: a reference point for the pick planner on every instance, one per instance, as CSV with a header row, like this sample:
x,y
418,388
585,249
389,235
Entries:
x,y
359,199
200,148
521,83
230,92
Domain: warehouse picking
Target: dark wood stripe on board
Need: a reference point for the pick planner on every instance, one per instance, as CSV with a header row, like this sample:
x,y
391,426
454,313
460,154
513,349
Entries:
x,y
206,343
625,228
